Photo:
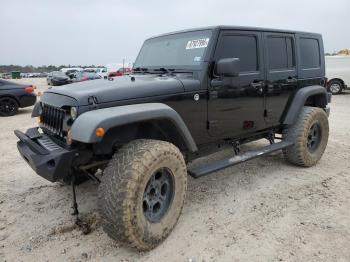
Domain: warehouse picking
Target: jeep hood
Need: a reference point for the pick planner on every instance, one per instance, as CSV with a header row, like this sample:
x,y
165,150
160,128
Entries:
x,y
116,89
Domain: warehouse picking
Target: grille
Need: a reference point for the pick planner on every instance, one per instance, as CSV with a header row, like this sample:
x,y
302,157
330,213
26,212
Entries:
x,y
52,119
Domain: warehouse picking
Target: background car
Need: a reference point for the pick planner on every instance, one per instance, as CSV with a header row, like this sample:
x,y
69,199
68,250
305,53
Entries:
x,y
6,76
14,96
84,76
57,78
102,72
338,73
121,71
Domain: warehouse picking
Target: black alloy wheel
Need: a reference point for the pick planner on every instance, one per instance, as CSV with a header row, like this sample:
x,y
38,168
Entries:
x,y
8,106
313,138
158,195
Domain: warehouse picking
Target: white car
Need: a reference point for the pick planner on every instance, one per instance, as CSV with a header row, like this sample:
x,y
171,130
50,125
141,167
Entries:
x,y
102,72
338,73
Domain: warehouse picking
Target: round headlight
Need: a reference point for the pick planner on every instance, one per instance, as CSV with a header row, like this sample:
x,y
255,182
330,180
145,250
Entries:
x,y
73,112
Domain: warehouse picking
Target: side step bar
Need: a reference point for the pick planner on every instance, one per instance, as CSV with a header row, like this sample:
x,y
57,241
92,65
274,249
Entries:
x,y
224,163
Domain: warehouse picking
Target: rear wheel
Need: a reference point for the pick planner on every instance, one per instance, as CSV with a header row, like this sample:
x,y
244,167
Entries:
x,y
309,135
142,193
335,87
8,106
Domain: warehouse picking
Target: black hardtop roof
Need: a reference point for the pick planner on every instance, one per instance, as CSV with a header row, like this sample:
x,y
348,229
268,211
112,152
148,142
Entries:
x,y
241,28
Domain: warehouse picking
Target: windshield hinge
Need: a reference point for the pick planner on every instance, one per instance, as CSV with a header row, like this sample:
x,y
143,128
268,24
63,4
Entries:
x,y
92,101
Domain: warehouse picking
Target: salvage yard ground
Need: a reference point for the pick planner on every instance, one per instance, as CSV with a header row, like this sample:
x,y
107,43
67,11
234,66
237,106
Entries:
x,y
262,210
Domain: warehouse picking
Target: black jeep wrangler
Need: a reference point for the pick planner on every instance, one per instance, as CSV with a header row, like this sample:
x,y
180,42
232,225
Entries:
x,y
191,93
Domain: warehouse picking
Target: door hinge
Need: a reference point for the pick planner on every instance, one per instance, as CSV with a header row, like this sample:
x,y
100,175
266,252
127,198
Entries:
x,y
265,113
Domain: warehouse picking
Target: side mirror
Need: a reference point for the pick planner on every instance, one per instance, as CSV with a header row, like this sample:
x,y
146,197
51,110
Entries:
x,y
228,67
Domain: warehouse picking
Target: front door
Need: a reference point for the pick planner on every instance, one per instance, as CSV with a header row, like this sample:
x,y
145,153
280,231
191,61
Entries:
x,y
236,104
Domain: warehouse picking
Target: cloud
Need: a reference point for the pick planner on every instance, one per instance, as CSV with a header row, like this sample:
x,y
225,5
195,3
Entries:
x,y
99,32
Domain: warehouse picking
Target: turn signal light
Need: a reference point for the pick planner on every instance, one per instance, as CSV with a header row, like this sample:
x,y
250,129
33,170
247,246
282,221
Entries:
x,y
99,132
69,139
38,120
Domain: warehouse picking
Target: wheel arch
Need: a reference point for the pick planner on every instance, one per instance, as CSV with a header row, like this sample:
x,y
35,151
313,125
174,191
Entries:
x,y
125,123
11,96
158,129
336,79
315,96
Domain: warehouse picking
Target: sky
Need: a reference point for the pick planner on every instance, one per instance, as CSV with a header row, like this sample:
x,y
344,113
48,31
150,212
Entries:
x,y
85,32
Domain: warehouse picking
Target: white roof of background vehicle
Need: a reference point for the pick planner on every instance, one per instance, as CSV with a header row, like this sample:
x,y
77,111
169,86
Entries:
x,y
118,65
71,68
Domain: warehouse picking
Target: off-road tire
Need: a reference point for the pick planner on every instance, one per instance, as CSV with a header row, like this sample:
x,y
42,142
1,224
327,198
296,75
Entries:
x,y
122,188
299,154
337,83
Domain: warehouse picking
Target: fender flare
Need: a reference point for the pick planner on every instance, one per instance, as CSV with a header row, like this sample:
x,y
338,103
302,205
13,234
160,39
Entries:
x,y
299,100
83,128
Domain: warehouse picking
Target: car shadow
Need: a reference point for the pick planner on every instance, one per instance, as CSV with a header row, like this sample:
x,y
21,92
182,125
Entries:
x,y
23,111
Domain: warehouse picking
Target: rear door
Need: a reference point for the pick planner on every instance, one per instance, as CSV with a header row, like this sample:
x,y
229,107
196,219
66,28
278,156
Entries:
x,y
281,74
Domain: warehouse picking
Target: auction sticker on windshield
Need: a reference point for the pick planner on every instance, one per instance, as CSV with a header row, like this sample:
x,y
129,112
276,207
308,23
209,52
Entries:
x,y
198,43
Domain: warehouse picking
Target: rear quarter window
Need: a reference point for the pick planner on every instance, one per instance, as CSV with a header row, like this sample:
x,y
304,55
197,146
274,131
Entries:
x,y
309,53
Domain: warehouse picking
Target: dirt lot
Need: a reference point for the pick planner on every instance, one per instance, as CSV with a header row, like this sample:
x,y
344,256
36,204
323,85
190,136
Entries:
x,y
263,210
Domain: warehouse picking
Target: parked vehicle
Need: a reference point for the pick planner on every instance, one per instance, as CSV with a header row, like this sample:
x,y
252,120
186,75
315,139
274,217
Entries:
x,y
69,70
14,96
191,93
57,78
102,72
120,72
84,76
338,73
6,76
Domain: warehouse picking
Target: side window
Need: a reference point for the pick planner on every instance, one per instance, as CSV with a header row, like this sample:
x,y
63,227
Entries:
x,y
280,52
243,47
309,53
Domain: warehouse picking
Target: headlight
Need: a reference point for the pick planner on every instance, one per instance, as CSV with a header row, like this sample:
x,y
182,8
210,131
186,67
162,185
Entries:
x,y
73,112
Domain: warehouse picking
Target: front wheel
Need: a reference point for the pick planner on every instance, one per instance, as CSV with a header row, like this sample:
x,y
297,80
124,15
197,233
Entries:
x,y
142,193
309,135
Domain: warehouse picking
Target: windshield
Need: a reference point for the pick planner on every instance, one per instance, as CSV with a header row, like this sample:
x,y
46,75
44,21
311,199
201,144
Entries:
x,y
177,50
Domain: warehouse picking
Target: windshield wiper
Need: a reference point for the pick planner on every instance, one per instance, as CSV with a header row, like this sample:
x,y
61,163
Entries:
x,y
165,70
141,70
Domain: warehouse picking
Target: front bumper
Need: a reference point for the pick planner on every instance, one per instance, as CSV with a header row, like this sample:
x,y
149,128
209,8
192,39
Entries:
x,y
44,156
60,82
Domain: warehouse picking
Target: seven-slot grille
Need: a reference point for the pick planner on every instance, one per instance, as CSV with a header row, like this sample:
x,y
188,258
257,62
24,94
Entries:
x,y
52,119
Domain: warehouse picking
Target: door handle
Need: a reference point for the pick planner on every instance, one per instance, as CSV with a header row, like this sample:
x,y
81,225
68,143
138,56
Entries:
x,y
291,80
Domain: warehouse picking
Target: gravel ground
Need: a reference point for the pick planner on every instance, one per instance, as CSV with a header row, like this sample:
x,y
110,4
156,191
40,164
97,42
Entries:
x,y
262,210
